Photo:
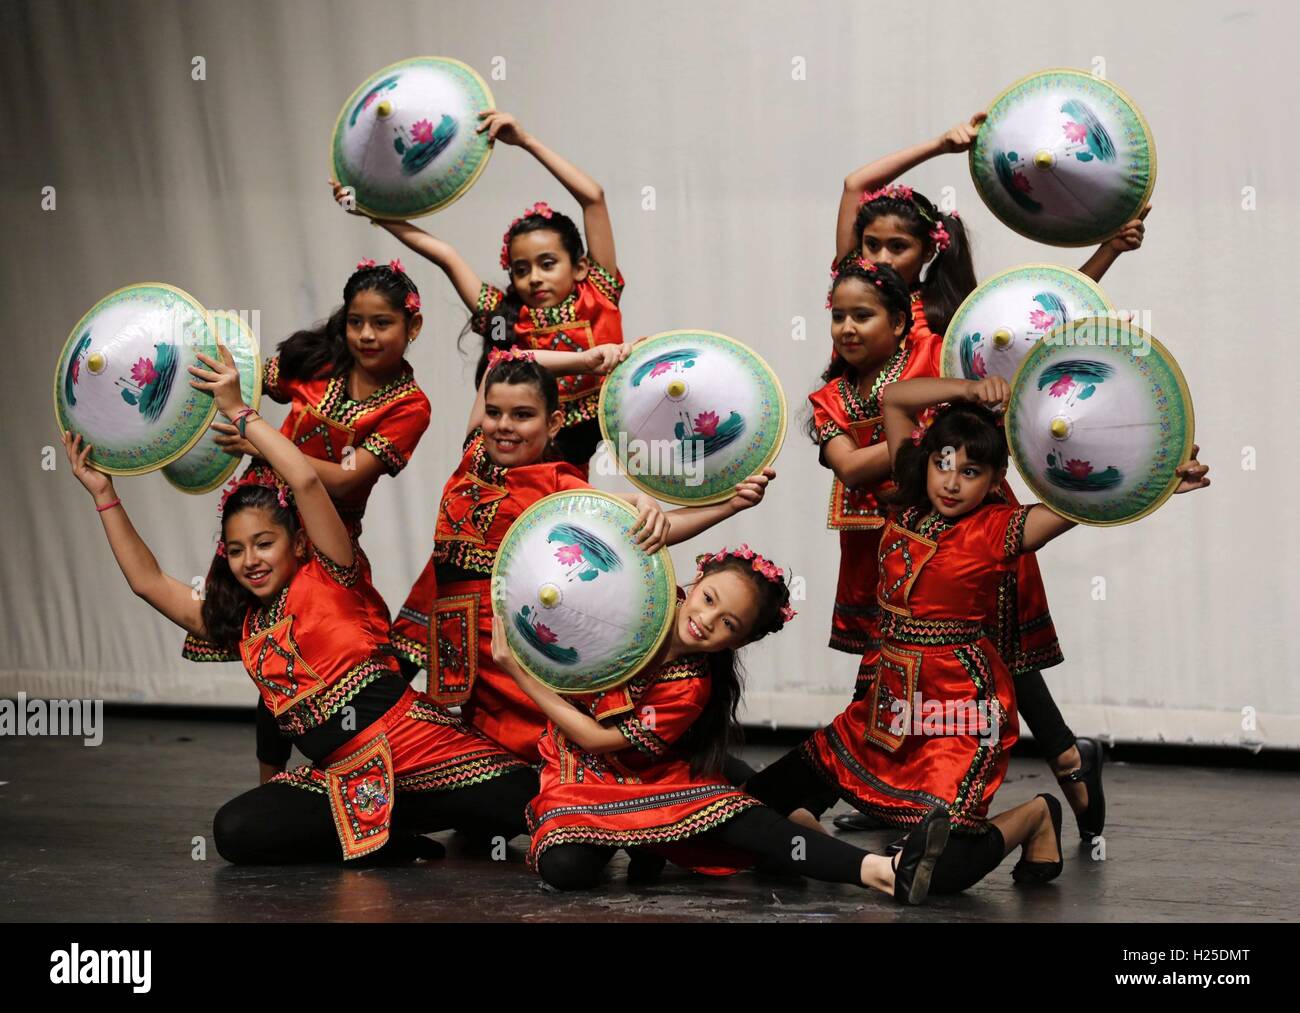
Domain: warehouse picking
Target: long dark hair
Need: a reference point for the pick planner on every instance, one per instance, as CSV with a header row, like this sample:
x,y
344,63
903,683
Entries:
x,y
322,351
960,425
717,732
503,319
950,278
225,600
528,371
894,297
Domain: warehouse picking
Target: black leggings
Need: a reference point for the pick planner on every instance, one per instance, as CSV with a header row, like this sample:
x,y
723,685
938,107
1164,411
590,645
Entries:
x,y
279,824
785,847
1042,716
791,783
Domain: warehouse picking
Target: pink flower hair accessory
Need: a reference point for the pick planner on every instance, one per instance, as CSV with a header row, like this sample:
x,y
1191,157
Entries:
x,y
923,422
499,355
762,566
940,237
365,262
541,209
896,191
412,303
395,265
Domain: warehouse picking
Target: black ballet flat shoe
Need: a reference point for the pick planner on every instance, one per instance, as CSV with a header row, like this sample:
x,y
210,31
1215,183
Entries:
x,y
1043,872
914,864
1091,757
644,866
408,849
858,821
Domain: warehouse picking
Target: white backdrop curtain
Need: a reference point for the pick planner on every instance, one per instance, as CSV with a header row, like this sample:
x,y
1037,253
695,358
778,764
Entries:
x,y
218,186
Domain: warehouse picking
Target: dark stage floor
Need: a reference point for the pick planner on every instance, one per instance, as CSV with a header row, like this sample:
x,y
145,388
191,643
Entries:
x,y
106,834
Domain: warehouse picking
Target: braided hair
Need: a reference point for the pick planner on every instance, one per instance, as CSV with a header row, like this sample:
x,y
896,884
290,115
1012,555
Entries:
x,y
950,278
322,351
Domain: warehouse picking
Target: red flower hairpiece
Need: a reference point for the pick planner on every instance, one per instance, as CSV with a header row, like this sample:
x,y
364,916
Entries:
x,y
542,209
396,265
412,303
923,422
857,260
365,262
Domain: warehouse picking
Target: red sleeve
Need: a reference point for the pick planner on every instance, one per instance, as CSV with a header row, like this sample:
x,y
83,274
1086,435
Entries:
x,y
828,415
608,285
395,437
567,477
272,386
664,714
1001,530
489,298
322,567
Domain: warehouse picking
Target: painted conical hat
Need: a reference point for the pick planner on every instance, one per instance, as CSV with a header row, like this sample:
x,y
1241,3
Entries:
x,y
584,607
998,323
406,139
1099,418
1064,158
689,414
122,380
205,465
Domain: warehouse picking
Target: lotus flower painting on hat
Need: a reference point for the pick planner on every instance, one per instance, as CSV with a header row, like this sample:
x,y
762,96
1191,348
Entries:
x,y
1001,320
1099,418
584,606
406,140
121,380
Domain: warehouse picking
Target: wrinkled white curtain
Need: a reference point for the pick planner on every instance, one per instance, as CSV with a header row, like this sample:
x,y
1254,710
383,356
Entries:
x,y
721,132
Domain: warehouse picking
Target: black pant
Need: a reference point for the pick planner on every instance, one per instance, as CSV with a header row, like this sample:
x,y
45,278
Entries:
x,y
784,846
1042,716
278,824
791,783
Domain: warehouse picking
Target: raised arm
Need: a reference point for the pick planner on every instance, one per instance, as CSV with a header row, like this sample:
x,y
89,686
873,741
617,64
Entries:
x,y
903,400
320,518
656,529
586,191
464,279
883,170
579,728
1128,238
169,596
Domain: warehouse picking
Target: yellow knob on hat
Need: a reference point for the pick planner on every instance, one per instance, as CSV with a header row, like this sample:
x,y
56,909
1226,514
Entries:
x,y
1060,428
1002,337
676,388
96,362
384,109
1044,159
549,596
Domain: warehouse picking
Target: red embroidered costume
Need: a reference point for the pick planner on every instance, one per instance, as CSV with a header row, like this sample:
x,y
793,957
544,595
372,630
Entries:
x,y
645,794
314,648
323,421
938,591
588,317
1023,630
445,626
840,410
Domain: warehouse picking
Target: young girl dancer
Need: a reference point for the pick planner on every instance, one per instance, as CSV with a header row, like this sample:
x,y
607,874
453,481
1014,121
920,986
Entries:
x,y
355,411
560,300
895,225
302,616
870,315
509,463
644,771
941,557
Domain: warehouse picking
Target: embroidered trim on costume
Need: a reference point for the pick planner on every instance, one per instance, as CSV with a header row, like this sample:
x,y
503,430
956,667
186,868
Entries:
x,y
384,449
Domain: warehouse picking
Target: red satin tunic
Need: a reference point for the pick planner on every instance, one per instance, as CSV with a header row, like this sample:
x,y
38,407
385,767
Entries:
x,y
840,410
588,317
645,794
323,421
445,625
939,716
